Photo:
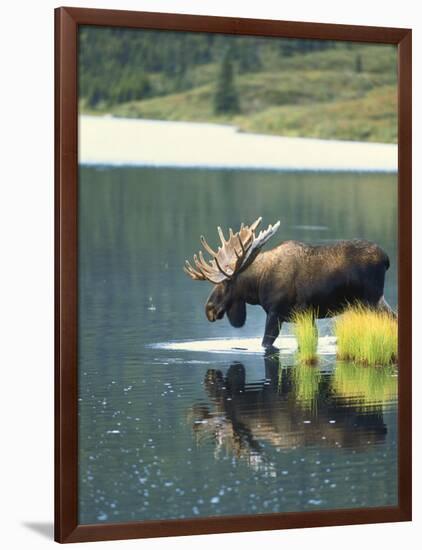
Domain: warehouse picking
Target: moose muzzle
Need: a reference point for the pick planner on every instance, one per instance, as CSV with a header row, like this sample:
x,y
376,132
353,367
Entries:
x,y
213,313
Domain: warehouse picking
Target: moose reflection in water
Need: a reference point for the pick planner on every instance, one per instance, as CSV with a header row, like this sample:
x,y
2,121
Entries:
x,y
293,407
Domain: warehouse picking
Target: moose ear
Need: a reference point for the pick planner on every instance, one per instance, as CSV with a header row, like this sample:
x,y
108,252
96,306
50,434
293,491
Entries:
x,y
237,313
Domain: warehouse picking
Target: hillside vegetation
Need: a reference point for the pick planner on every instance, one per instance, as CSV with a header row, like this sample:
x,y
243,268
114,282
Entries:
x,y
274,86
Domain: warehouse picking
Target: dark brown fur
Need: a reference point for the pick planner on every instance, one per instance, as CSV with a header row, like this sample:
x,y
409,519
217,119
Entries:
x,y
295,277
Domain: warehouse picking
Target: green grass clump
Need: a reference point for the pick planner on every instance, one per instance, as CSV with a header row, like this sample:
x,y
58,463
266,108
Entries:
x,y
369,386
307,336
366,336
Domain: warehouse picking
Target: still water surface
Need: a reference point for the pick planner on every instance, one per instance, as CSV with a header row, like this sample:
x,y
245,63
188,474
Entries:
x,y
174,433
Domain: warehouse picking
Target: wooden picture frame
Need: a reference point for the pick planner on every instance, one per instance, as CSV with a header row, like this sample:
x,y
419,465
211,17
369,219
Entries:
x,y
67,21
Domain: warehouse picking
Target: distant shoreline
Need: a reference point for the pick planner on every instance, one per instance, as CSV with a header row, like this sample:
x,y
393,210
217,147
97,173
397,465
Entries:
x,y
111,141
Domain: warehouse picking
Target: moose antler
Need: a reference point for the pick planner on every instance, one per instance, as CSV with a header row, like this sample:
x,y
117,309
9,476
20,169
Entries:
x,y
232,256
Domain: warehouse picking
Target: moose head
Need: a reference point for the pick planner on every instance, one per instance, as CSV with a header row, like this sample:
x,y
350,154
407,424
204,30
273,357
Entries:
x,y
231,259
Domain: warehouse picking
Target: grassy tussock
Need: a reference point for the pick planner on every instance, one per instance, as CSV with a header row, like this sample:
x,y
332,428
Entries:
x,y
307,337
366,336
367,386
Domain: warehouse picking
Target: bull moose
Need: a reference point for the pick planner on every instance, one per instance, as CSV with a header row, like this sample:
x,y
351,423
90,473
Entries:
x,y
291,277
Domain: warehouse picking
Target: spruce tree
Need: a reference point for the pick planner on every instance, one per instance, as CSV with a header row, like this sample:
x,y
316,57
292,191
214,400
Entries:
x,y
226,100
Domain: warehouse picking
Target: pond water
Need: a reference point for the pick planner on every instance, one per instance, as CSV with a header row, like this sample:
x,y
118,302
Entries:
x,y
174,431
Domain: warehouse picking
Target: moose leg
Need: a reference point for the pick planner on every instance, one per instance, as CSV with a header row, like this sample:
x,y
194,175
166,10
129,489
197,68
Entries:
x,y
272,330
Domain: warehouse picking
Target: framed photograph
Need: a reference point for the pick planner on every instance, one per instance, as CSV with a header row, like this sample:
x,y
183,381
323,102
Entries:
x,y
233,274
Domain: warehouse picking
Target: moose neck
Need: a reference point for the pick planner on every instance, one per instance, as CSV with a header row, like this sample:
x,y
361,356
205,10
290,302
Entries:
x,y
247,283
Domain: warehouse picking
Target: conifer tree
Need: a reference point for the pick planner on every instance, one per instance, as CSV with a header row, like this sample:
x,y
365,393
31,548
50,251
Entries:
x,y
226,100
358,64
